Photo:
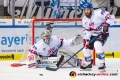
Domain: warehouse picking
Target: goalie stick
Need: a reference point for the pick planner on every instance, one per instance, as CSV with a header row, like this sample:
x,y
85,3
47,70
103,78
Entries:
x,y
62,57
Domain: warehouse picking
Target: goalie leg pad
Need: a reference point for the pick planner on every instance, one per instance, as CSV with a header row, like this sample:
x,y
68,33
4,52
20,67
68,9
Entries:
x,y
67,54
44,62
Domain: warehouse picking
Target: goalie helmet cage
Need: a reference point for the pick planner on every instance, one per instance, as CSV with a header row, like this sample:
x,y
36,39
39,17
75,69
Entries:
x,y
63,22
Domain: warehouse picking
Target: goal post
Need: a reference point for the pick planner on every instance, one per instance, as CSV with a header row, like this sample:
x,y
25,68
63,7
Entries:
x,y
65,28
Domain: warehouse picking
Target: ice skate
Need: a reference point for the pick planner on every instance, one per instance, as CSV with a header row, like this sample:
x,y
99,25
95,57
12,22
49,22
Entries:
x,y
86,67
102,67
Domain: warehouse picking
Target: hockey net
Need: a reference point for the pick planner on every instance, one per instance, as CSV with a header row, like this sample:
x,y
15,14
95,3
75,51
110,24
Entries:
x,y
65,28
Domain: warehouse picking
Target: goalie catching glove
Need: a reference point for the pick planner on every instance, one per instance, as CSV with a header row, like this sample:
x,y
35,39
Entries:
x,y
76,40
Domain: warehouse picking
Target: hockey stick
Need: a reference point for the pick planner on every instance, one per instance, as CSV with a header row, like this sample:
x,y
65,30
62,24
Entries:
x,y
17,65
55,69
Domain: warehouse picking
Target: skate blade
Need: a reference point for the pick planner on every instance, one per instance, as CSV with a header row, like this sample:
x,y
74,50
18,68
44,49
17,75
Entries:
x,y
88,69
102,70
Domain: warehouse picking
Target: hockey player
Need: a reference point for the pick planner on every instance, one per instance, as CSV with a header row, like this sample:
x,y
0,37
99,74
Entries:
x,y
95,22
49,45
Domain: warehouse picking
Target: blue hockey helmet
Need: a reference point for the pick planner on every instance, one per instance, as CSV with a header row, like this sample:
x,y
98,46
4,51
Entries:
x,y
87,5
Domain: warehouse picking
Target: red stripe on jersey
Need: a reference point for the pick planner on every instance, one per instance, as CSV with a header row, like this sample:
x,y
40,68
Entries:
x,y
93,29
107,16
92,26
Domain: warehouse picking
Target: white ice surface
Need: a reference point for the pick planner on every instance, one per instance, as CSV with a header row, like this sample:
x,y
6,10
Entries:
x,y
23,73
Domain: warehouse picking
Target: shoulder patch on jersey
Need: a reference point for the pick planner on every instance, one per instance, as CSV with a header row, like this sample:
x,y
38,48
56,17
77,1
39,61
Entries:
x,y
102,12
34,47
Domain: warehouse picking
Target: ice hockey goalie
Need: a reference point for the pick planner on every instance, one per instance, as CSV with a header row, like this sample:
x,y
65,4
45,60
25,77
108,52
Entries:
x,y
47,50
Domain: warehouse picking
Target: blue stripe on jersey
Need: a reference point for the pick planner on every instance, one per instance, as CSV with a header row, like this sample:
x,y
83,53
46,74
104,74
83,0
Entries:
x,y
61,43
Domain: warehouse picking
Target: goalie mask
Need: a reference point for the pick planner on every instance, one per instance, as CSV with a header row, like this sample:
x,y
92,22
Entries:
x,y
46,36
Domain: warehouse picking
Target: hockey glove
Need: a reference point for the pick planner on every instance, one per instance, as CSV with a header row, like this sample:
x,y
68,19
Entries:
x,y
32,60
105,27
86,43
76,40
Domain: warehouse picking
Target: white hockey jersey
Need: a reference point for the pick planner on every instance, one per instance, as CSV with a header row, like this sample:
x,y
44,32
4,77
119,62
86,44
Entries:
x,y
92,25
43,49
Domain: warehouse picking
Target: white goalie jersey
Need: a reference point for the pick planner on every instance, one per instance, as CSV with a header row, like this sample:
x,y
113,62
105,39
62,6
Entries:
x,y
43,49
93,26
